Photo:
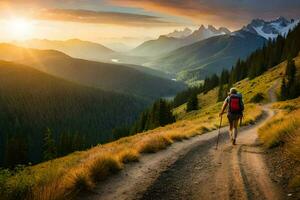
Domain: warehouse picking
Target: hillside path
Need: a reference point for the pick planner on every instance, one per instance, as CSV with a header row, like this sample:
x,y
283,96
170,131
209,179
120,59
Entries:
x,y
231,172
194,169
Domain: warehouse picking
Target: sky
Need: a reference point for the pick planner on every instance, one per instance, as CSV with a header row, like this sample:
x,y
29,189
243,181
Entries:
x,y
129,21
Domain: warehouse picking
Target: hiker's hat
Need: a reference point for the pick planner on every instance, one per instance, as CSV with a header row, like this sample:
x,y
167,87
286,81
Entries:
x,y
233,91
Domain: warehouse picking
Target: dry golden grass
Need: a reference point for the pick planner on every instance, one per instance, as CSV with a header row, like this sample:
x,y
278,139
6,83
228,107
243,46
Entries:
x,y
262,84
154,144
283,126
205,100
284,130
130,155
279,129
100,167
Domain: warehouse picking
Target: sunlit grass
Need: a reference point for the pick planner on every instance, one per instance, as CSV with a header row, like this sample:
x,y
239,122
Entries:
x,y
284,130
262,84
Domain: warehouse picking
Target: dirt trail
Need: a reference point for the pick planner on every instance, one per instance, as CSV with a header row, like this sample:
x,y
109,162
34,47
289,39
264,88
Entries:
x,y
194,169
231,172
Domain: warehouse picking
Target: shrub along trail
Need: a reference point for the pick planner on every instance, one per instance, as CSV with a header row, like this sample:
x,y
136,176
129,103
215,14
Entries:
x,y
193,169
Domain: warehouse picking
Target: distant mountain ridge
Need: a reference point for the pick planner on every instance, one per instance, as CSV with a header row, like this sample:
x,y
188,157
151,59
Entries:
x,y
204,33
180,34
271,29
203,58
198,60
109,77
73,47
167,43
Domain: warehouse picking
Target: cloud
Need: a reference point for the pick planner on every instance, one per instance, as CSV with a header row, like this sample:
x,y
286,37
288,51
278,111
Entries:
x,y
227,12
82,11
101,17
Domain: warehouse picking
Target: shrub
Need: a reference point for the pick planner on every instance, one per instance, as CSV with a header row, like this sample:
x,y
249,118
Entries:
x,y
257,98
103,166
154,144
129,156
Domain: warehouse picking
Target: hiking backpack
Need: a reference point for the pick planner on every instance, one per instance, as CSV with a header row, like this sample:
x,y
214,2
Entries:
x,y
235,104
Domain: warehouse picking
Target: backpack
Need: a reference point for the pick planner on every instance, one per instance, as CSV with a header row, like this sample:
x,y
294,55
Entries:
x,y
235,104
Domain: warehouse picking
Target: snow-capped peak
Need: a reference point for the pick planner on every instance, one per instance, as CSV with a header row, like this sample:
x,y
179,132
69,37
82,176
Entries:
x,y
180,34
271,29
201,33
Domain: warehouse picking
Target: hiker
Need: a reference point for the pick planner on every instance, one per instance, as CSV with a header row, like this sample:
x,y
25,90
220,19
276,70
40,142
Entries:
x,y
235,104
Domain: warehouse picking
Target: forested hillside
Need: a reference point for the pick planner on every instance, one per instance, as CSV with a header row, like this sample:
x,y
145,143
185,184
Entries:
x,y
110,77
271,54
204,58
34,105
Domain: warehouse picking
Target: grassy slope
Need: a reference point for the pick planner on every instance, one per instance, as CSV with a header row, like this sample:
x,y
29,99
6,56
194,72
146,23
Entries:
x,y
283,130
249,88
208,56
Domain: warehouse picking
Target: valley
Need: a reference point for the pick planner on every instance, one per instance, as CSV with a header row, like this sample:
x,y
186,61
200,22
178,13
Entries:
x,y
125,100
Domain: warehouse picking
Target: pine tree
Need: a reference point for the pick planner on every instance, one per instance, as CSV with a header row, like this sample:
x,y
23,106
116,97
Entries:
x,y
16,151
283,90
291,79
224,79
160,114
50,151
192,103
220,93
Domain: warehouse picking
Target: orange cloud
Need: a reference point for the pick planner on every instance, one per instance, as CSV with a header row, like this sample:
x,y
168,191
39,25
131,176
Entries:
x,y
218,12
198,11
100,17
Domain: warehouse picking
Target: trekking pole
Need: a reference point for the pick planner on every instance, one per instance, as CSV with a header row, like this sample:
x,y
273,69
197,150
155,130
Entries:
x,y
219,132
241,121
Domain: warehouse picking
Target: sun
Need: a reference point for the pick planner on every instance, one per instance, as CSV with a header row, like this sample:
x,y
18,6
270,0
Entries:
x,y
20,28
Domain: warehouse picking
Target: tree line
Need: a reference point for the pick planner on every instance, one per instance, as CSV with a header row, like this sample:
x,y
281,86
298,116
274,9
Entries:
x,y
33,103
271,54
159,114
290,86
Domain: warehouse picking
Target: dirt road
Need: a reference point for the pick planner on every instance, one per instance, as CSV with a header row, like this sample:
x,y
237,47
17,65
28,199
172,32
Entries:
x,y
231,172
193,169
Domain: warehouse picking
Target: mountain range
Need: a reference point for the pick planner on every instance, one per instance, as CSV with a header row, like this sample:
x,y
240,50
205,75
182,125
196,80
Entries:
x,y
180,34
212,55
175,40
271,29
200,59
185,54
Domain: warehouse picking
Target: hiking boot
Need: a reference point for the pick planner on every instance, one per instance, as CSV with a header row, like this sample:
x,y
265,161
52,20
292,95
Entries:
x,y
233,142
